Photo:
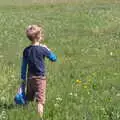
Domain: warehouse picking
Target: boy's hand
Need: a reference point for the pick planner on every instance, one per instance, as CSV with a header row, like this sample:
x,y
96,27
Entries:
x,y
22,87
20,96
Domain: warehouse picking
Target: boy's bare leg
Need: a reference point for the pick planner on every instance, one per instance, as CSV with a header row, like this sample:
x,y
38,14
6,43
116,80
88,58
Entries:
x,y
40,109
41,97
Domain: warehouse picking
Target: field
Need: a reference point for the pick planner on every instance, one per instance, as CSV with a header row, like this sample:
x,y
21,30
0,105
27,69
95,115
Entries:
x,y
84,83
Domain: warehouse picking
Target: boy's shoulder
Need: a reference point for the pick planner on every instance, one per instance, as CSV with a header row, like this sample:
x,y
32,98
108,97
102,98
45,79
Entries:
x,y
26,48
41,47
44,46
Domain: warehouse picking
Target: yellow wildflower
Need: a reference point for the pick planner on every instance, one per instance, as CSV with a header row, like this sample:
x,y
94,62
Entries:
x,y
78,81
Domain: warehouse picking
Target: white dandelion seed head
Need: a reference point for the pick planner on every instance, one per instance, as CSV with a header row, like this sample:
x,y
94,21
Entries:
x,y
59,99
3,112
56,105
111,53
118,94
71,94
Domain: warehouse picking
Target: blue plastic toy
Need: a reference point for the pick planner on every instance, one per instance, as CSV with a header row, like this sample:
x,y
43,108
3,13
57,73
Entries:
x,y
20,98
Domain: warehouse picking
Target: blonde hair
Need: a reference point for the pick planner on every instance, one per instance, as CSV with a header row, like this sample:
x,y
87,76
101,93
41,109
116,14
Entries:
x,y
35,32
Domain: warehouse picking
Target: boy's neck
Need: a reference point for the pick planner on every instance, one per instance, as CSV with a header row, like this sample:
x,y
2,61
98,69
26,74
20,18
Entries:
x,y
35,43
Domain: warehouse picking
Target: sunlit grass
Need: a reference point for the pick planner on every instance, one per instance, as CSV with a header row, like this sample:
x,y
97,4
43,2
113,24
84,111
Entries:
x,y
84,83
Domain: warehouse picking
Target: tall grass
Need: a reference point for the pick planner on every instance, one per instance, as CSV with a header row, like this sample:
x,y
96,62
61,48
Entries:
x,y
84,83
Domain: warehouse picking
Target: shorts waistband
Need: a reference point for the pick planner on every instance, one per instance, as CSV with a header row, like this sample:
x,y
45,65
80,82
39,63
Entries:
x,y
37,77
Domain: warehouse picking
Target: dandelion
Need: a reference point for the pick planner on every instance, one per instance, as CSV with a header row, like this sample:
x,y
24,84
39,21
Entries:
x,y
59,99
3,112
71,94
111,53
118,94
78,81
56,105
88,93
3,115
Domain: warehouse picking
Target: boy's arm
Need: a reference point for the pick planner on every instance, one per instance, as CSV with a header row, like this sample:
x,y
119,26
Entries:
x,y
20,96
23,69
23,75
52,57
49,54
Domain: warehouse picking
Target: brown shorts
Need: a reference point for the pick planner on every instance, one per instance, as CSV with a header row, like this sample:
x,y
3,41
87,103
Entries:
x,y
36,88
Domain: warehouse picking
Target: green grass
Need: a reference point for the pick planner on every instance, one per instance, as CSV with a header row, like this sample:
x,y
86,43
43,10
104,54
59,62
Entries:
x,y
85,35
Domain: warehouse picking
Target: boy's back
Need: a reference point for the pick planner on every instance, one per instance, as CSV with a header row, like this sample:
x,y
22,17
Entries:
x,y
34,55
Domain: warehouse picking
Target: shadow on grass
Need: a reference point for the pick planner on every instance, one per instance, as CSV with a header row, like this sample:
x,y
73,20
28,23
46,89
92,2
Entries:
x,y
11,106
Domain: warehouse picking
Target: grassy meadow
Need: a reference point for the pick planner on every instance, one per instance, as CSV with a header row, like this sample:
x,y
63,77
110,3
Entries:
x,y
84,83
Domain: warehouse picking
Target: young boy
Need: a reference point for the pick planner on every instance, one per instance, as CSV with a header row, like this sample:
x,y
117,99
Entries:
x,y
33,62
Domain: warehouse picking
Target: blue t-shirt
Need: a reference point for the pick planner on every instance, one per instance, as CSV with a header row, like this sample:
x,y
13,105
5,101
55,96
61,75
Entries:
x,y
33,57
